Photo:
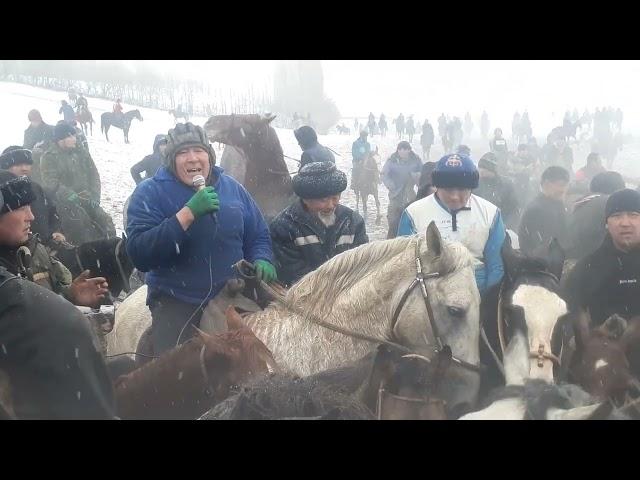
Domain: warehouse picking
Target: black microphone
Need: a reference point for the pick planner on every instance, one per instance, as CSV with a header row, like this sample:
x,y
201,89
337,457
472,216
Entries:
x,y
199,183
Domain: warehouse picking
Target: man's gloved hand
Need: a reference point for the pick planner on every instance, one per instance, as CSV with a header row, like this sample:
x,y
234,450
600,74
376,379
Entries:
x,y
204,201
265,271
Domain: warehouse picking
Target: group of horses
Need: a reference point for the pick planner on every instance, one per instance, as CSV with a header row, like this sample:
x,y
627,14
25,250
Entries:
x,y
393,329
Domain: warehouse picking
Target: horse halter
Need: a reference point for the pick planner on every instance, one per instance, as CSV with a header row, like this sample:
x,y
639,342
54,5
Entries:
x,y
420,280
540,354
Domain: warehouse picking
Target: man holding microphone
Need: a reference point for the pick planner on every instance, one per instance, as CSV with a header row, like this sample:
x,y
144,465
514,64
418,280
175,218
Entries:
x,y
188,236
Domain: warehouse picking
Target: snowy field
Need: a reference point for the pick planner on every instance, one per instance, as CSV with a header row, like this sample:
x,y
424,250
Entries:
x,y
114,159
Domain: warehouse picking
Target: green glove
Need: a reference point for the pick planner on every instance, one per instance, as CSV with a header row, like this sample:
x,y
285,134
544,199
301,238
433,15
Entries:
x,y
74,198
265,271
204,201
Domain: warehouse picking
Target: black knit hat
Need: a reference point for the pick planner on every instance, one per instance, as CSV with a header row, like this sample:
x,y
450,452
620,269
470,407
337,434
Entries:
x,y
488,163
16,191
319,180
15,155
185,135
607,183
626,200
62,130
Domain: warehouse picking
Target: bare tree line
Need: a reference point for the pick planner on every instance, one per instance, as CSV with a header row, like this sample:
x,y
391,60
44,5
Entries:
x,y
142,86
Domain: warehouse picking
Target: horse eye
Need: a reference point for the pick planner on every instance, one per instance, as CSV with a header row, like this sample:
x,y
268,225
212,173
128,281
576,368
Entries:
x,y
456,312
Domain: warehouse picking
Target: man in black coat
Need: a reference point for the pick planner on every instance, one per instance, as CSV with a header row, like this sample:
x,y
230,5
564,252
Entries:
x,y
37,131
607,282
46,224
312,151
497,189
151,163
316,228
587,223
545,217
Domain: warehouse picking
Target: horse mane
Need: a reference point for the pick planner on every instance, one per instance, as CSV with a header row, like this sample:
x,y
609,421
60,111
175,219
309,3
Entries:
x,y
342,272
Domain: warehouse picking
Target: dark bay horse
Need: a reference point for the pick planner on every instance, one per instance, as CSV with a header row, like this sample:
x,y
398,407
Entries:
x,y
186,381
123,122
178,114
85,119
365,181
258,162
103,258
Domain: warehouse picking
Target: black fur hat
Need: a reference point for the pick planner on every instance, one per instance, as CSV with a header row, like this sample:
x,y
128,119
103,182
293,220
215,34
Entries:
x,y
319,180
15,155
16,191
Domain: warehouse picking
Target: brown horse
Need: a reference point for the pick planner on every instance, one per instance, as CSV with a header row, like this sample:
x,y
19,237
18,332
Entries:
x,y
599,363
178,114
365,181
85,119
258,162
188,380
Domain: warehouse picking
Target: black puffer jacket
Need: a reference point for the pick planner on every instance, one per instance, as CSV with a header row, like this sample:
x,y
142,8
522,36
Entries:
x,y
500,191
543,220
149,164
312,151
301,242
606,282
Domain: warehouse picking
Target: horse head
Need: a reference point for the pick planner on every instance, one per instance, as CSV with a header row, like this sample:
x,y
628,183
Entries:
x,y
237,130
530,292
599,363
136,114
454,301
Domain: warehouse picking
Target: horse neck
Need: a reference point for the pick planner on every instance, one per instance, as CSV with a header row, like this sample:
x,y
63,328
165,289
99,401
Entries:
x,y
265,163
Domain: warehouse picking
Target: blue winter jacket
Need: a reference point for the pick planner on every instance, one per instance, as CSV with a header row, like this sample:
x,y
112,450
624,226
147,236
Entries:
x,y
193,266
360,149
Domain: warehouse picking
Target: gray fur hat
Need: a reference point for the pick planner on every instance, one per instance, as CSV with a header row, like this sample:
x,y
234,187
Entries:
x,y
186,135
319,180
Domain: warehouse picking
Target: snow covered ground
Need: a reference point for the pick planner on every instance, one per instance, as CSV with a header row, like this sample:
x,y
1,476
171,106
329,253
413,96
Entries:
x,y
114,159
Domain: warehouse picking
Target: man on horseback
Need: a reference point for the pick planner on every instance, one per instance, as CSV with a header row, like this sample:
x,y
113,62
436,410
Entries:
x,y
67,111
151,163
312,151
68,172
188,236
382,125
461,216
316,228
359,151
484,125
117,108
48,349
499,147
81,104
427,139
46,223
607,282
400,173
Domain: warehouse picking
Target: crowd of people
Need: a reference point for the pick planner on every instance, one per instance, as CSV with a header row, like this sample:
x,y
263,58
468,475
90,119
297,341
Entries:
x,y
188,223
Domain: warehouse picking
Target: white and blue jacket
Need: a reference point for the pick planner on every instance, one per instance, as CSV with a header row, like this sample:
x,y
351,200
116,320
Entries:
x,y
478,226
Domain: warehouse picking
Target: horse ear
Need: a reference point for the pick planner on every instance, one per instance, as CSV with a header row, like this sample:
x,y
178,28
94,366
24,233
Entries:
x,y
434,240
269,117
581,328
556,257
234,320
614,327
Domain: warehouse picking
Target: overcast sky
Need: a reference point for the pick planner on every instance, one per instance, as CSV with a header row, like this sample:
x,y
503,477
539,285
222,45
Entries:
x,y
429,87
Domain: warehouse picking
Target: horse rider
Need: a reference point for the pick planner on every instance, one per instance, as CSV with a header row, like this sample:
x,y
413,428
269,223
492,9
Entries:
x,y
410,128
151,163
46,223
382,125
67,111
499,147
69,173
23,254
312,151
81,104
316,228
461,216
37,131
117,108
427,139
359,151
558,152
48,349
545,218
498,190
484,125
187,238
399,125
586,223
400,173
607,282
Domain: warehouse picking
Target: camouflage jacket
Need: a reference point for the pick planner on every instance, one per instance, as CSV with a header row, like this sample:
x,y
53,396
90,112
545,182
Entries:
x,y
64,172
33,262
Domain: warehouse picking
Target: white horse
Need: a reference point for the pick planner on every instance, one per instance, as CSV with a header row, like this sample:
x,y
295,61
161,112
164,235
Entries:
x,y
371,291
